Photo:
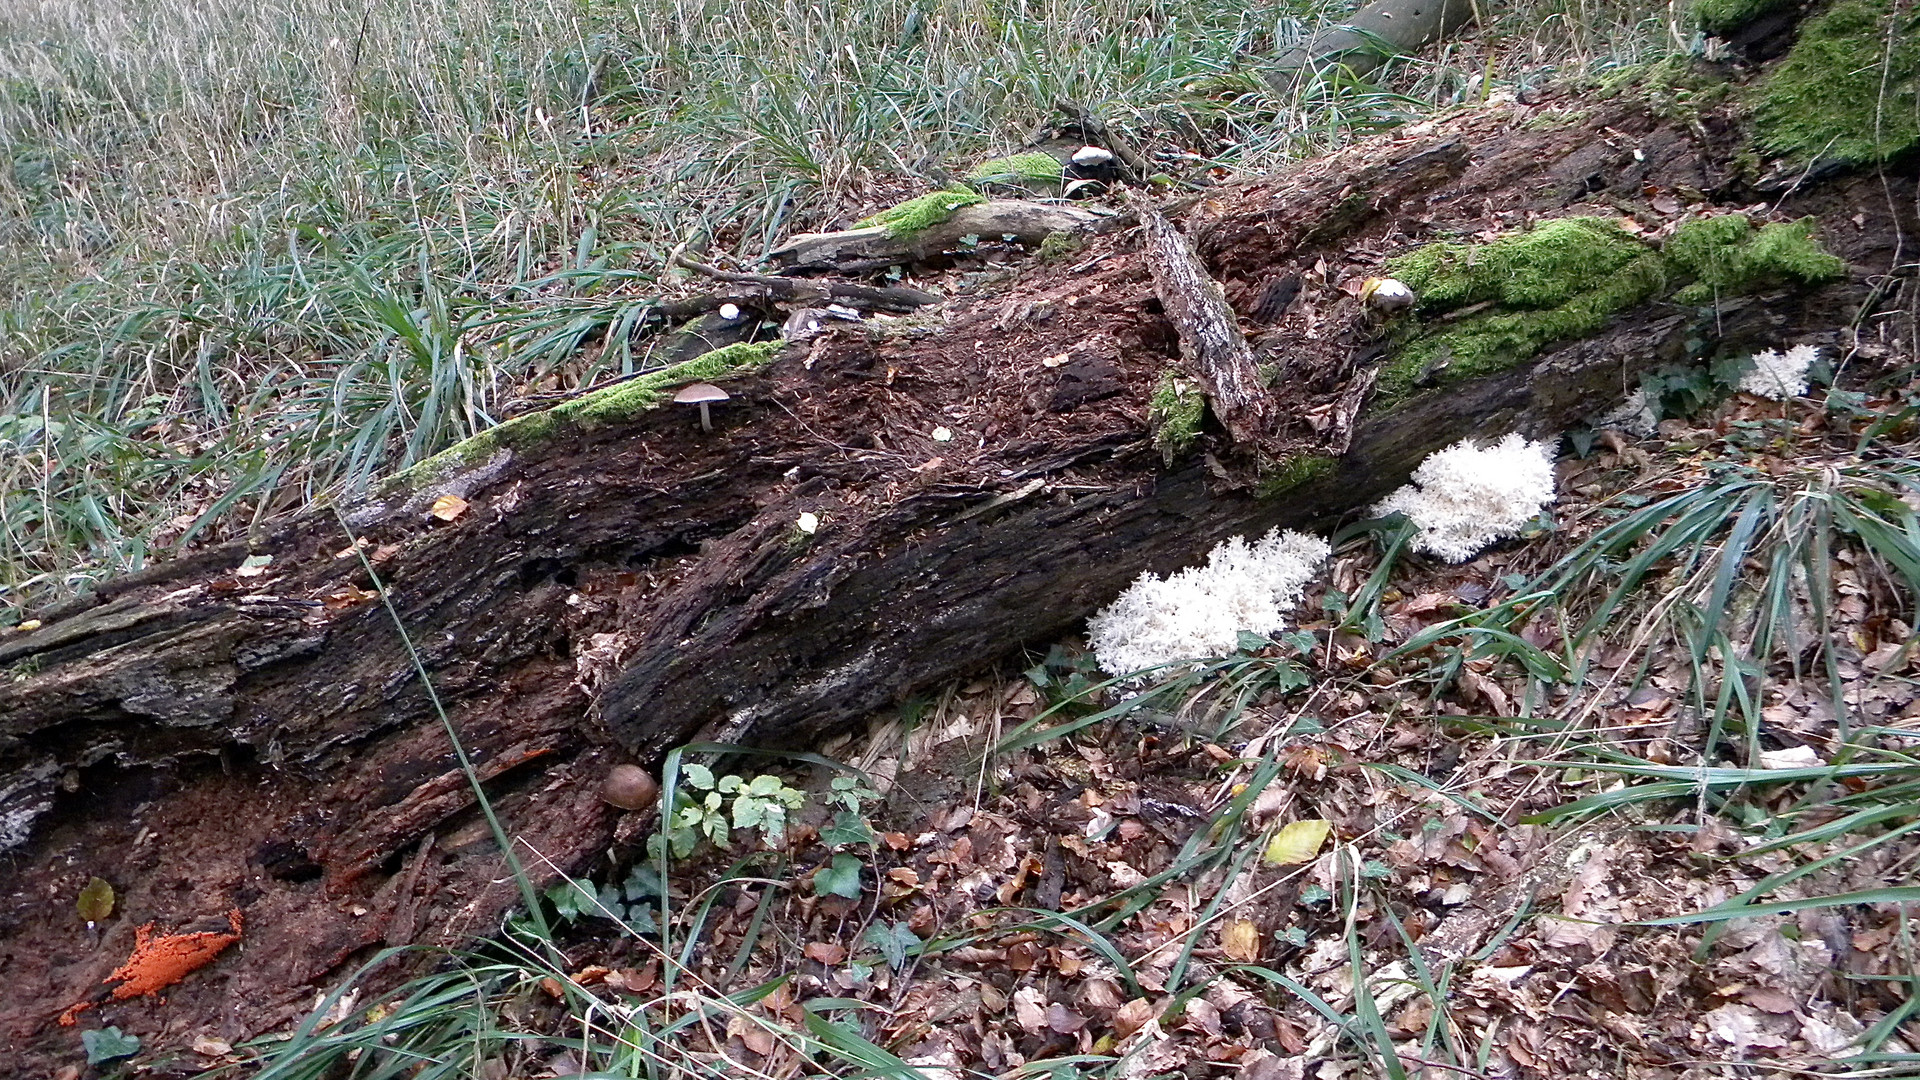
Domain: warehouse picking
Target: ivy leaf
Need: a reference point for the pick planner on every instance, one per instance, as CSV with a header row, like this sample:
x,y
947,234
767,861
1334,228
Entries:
x,y
96,901
894,941
841,877
107,1044
848,828
571,900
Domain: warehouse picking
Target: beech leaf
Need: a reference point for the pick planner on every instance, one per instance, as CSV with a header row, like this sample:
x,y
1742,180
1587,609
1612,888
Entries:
x,y
1297,842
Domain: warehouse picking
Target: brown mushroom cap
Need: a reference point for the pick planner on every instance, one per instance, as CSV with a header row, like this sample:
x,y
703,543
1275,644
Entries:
x,y
697,393
630,788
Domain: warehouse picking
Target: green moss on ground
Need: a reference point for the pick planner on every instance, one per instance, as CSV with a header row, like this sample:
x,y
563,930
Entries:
x,y
1058,245
1293,472
922,211
1720,16
1726,256
1176,411
609,405
1564,279
1847,91
1031,167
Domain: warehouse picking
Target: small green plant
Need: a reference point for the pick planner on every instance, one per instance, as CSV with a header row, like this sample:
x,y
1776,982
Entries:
x,y
631,903
702,810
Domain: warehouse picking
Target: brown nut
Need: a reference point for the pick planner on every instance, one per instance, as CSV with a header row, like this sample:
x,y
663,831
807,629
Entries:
x,y
630,788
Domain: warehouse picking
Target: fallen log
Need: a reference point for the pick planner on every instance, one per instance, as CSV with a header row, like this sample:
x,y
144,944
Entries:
x,y
1369,38
244,727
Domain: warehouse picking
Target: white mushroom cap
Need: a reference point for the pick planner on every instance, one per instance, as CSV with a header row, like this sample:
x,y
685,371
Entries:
x,y
1092,155
729,312
699,393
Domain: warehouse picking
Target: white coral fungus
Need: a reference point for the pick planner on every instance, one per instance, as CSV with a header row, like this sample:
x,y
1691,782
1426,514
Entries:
x,y
1201,611
1467,496
1779,375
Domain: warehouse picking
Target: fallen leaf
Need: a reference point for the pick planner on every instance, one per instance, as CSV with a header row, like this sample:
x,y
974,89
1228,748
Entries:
x,y
1030,1009
1297,842
448,507
826,952
96,901
1240,941
1064,1020
207,1046
1132,1016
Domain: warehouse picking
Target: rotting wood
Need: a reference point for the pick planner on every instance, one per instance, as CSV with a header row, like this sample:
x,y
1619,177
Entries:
x,y
633,586
1214,350
870,249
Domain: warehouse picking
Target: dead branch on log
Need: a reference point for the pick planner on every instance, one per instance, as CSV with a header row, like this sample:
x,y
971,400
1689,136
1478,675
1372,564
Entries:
x,y
1369,38
1213,349
801,290
874,248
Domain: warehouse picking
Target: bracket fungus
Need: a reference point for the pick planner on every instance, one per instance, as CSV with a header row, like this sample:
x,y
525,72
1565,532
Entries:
x,y
701,394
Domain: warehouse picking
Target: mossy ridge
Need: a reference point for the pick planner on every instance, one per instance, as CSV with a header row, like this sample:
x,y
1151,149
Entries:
x,y
922,211
1175,411
1030,167
1677,88
608,405
1847,91
1293,472
1564,279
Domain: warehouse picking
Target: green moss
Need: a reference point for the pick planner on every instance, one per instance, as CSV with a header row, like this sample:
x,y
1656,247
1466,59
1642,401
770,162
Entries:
x,y
1560,280
1847,91
609,405
1059,245
1677,88
1293,472
922,211
1726,257
1030,167
1564,279
1176,410
1720,16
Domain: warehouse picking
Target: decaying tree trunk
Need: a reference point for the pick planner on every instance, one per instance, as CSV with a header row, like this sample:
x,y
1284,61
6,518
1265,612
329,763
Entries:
x,y
208,740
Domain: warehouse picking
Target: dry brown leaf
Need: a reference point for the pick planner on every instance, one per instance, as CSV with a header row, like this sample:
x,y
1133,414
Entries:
x,y
1133,1016
1240,941
448,507
1030,1009
826,952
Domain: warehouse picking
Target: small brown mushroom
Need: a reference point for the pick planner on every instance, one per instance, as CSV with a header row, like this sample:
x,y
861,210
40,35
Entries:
x,y
630,788
701,394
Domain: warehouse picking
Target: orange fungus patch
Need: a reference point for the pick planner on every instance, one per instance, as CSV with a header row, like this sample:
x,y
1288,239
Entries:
x,y
159,962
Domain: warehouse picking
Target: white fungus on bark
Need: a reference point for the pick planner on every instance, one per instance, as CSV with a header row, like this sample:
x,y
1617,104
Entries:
x,y
1779,375
1467,496
1200,611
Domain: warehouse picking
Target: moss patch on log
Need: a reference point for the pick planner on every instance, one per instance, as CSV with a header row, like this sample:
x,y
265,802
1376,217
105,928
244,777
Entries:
x,y
1560,280
1726,256
609,405
1501,302
1293,472
1175,412
922,212
1847,91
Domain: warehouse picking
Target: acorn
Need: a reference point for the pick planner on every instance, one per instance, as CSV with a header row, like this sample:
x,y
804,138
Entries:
x,y
630,788
1386,294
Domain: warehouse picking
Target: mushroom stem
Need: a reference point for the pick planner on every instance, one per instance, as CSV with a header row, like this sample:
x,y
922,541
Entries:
x,y
706,421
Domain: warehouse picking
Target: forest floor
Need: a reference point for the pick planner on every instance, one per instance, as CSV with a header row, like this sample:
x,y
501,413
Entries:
x,y
1487,896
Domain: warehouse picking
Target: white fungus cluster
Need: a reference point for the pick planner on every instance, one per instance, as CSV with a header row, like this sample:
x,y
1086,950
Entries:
x,y
1779,375
1467,496
1201,611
